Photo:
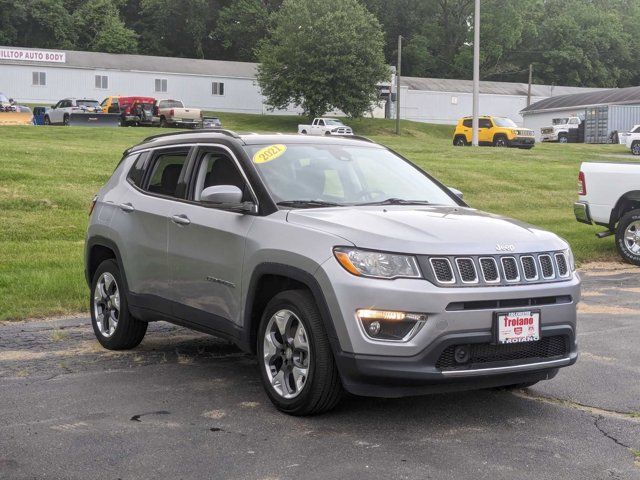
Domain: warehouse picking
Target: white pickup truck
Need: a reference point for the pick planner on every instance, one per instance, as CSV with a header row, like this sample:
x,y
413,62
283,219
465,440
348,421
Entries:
x,y
173,113
559,130
609,195
325,126
632,140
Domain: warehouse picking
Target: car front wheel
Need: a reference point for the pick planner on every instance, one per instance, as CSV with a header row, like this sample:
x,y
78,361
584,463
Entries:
x,y
114,326
297,367
635,148
628,237
501,141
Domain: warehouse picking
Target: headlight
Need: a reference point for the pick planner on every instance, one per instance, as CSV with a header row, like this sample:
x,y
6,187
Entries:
x,y
377,264
569,255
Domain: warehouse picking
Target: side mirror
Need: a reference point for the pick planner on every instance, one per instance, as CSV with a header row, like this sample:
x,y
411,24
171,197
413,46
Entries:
x,y
456,192
229,194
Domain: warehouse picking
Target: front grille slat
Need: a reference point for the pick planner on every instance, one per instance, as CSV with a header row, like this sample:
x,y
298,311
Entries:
x,y
484,355
529,267
467,270
546,266
442,269
489,269
561,261
510,269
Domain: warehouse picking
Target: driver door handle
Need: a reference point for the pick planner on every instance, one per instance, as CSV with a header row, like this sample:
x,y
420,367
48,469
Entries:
x,y
180,219
127,207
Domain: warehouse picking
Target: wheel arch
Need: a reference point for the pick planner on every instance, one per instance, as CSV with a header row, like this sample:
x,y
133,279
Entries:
x,y
99,249
627,202
267,280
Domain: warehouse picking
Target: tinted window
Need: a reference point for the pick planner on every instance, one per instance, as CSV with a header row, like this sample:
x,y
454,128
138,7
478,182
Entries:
x,y
484,123
166,171
467,122
219,169
136,174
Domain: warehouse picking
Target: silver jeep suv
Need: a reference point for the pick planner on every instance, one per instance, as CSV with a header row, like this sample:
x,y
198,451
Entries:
x,y
340,264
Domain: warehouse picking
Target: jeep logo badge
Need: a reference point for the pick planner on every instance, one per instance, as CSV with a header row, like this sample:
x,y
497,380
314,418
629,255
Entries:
x,y
503,247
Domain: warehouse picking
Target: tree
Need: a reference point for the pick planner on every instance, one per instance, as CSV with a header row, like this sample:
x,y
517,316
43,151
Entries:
x,y
100,28
322,56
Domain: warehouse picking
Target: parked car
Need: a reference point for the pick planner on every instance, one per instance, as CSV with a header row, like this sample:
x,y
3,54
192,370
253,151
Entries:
x,y
560,130
133,111
6,103
325,126
632,140
493,131
609,196
60,113
340,264
173,113
211,122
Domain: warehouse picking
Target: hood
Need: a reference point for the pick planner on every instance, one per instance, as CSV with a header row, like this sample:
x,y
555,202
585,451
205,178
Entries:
x,y
430,230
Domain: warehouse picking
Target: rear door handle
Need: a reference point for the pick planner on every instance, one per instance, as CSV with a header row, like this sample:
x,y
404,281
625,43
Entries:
x,y
127,207
180,219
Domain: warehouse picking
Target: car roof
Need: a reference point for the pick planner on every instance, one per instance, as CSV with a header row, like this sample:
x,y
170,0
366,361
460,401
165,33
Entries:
x,y
227,136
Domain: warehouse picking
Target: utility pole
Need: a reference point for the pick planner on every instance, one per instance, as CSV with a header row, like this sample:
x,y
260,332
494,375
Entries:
x,y
476,72
530,81
398,73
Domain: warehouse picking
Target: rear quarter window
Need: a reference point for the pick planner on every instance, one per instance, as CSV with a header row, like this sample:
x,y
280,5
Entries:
x,y
136,173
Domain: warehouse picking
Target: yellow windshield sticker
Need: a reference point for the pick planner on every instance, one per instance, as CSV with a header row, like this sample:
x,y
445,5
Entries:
x,y
269,153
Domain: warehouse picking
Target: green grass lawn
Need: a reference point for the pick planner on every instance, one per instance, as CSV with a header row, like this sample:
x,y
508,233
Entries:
x,y
48,176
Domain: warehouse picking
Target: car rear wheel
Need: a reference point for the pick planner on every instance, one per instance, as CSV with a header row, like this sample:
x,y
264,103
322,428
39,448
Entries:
x,y
65,120
304,132
500,141
628,237
459,141
163,122
47,120
114,326
635,148
297,367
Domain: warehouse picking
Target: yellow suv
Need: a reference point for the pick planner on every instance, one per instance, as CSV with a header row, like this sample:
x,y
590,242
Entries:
x,y
494,131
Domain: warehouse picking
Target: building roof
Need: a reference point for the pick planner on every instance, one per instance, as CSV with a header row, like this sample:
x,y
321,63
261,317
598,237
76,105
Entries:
x,y
145,63
612,96
498,88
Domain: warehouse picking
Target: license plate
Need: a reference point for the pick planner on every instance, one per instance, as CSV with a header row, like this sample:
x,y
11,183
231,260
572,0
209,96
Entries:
x,y
518,327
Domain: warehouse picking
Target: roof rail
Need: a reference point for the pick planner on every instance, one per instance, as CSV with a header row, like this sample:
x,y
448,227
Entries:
x,y
229,133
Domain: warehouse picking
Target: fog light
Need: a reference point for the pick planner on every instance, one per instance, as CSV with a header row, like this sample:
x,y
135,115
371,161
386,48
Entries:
x,y
461,354
374,328
390,325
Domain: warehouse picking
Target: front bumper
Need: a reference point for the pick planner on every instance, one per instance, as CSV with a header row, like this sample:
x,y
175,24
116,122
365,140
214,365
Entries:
x,y
523,142
549,137
185,122
581,211
377,368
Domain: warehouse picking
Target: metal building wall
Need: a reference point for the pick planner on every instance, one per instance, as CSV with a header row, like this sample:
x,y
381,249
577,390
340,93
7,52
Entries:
x,y
448,107
623,117
240,94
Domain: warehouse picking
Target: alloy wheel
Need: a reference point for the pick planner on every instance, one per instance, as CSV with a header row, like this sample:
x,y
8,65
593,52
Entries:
x,y
286,353
106,304
632,237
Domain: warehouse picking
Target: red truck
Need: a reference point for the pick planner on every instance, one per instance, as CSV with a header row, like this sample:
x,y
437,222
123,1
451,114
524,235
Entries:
x,y
133,110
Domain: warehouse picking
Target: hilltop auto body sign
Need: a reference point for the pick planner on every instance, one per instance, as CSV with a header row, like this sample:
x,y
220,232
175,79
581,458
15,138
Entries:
x,y
7,53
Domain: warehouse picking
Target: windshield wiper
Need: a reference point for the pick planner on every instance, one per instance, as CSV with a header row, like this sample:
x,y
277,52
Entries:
x,y
307,203
397,201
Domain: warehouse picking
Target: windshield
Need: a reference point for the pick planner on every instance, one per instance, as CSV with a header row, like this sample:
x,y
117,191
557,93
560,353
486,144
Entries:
x,y
170,104
560,121
87,103
3,98
333,123
342,175
505,122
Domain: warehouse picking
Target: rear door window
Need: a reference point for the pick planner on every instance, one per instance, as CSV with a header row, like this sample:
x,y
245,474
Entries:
x,y
165,170
484,123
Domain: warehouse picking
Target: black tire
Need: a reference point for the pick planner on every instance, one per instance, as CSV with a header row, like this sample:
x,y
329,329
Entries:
x,y
322,389
129,331
303,132
65,120
163,123
500,141
459,141
327,133
635,148
563,138
47,120
630,220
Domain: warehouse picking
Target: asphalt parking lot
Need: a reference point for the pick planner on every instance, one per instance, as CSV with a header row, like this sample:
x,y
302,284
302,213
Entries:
x,y
185,405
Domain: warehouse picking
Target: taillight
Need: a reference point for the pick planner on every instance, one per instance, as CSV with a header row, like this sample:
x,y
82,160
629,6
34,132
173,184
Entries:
x,y
93,205
582,184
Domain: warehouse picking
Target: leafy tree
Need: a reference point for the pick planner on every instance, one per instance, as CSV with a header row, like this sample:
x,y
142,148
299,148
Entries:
x,y
100,28
321,56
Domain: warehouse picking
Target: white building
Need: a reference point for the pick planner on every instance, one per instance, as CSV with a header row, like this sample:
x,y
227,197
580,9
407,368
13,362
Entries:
x,y
436,100
46,76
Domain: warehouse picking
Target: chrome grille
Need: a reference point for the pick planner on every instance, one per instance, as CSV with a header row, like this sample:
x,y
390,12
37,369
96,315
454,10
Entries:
x,y
510,269
546,266
561,260
442,269
495,270
467,270
529,267
489,269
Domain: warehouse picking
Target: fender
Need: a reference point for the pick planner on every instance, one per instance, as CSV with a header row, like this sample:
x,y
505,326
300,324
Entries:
x,y
103,242
298,275
619,209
